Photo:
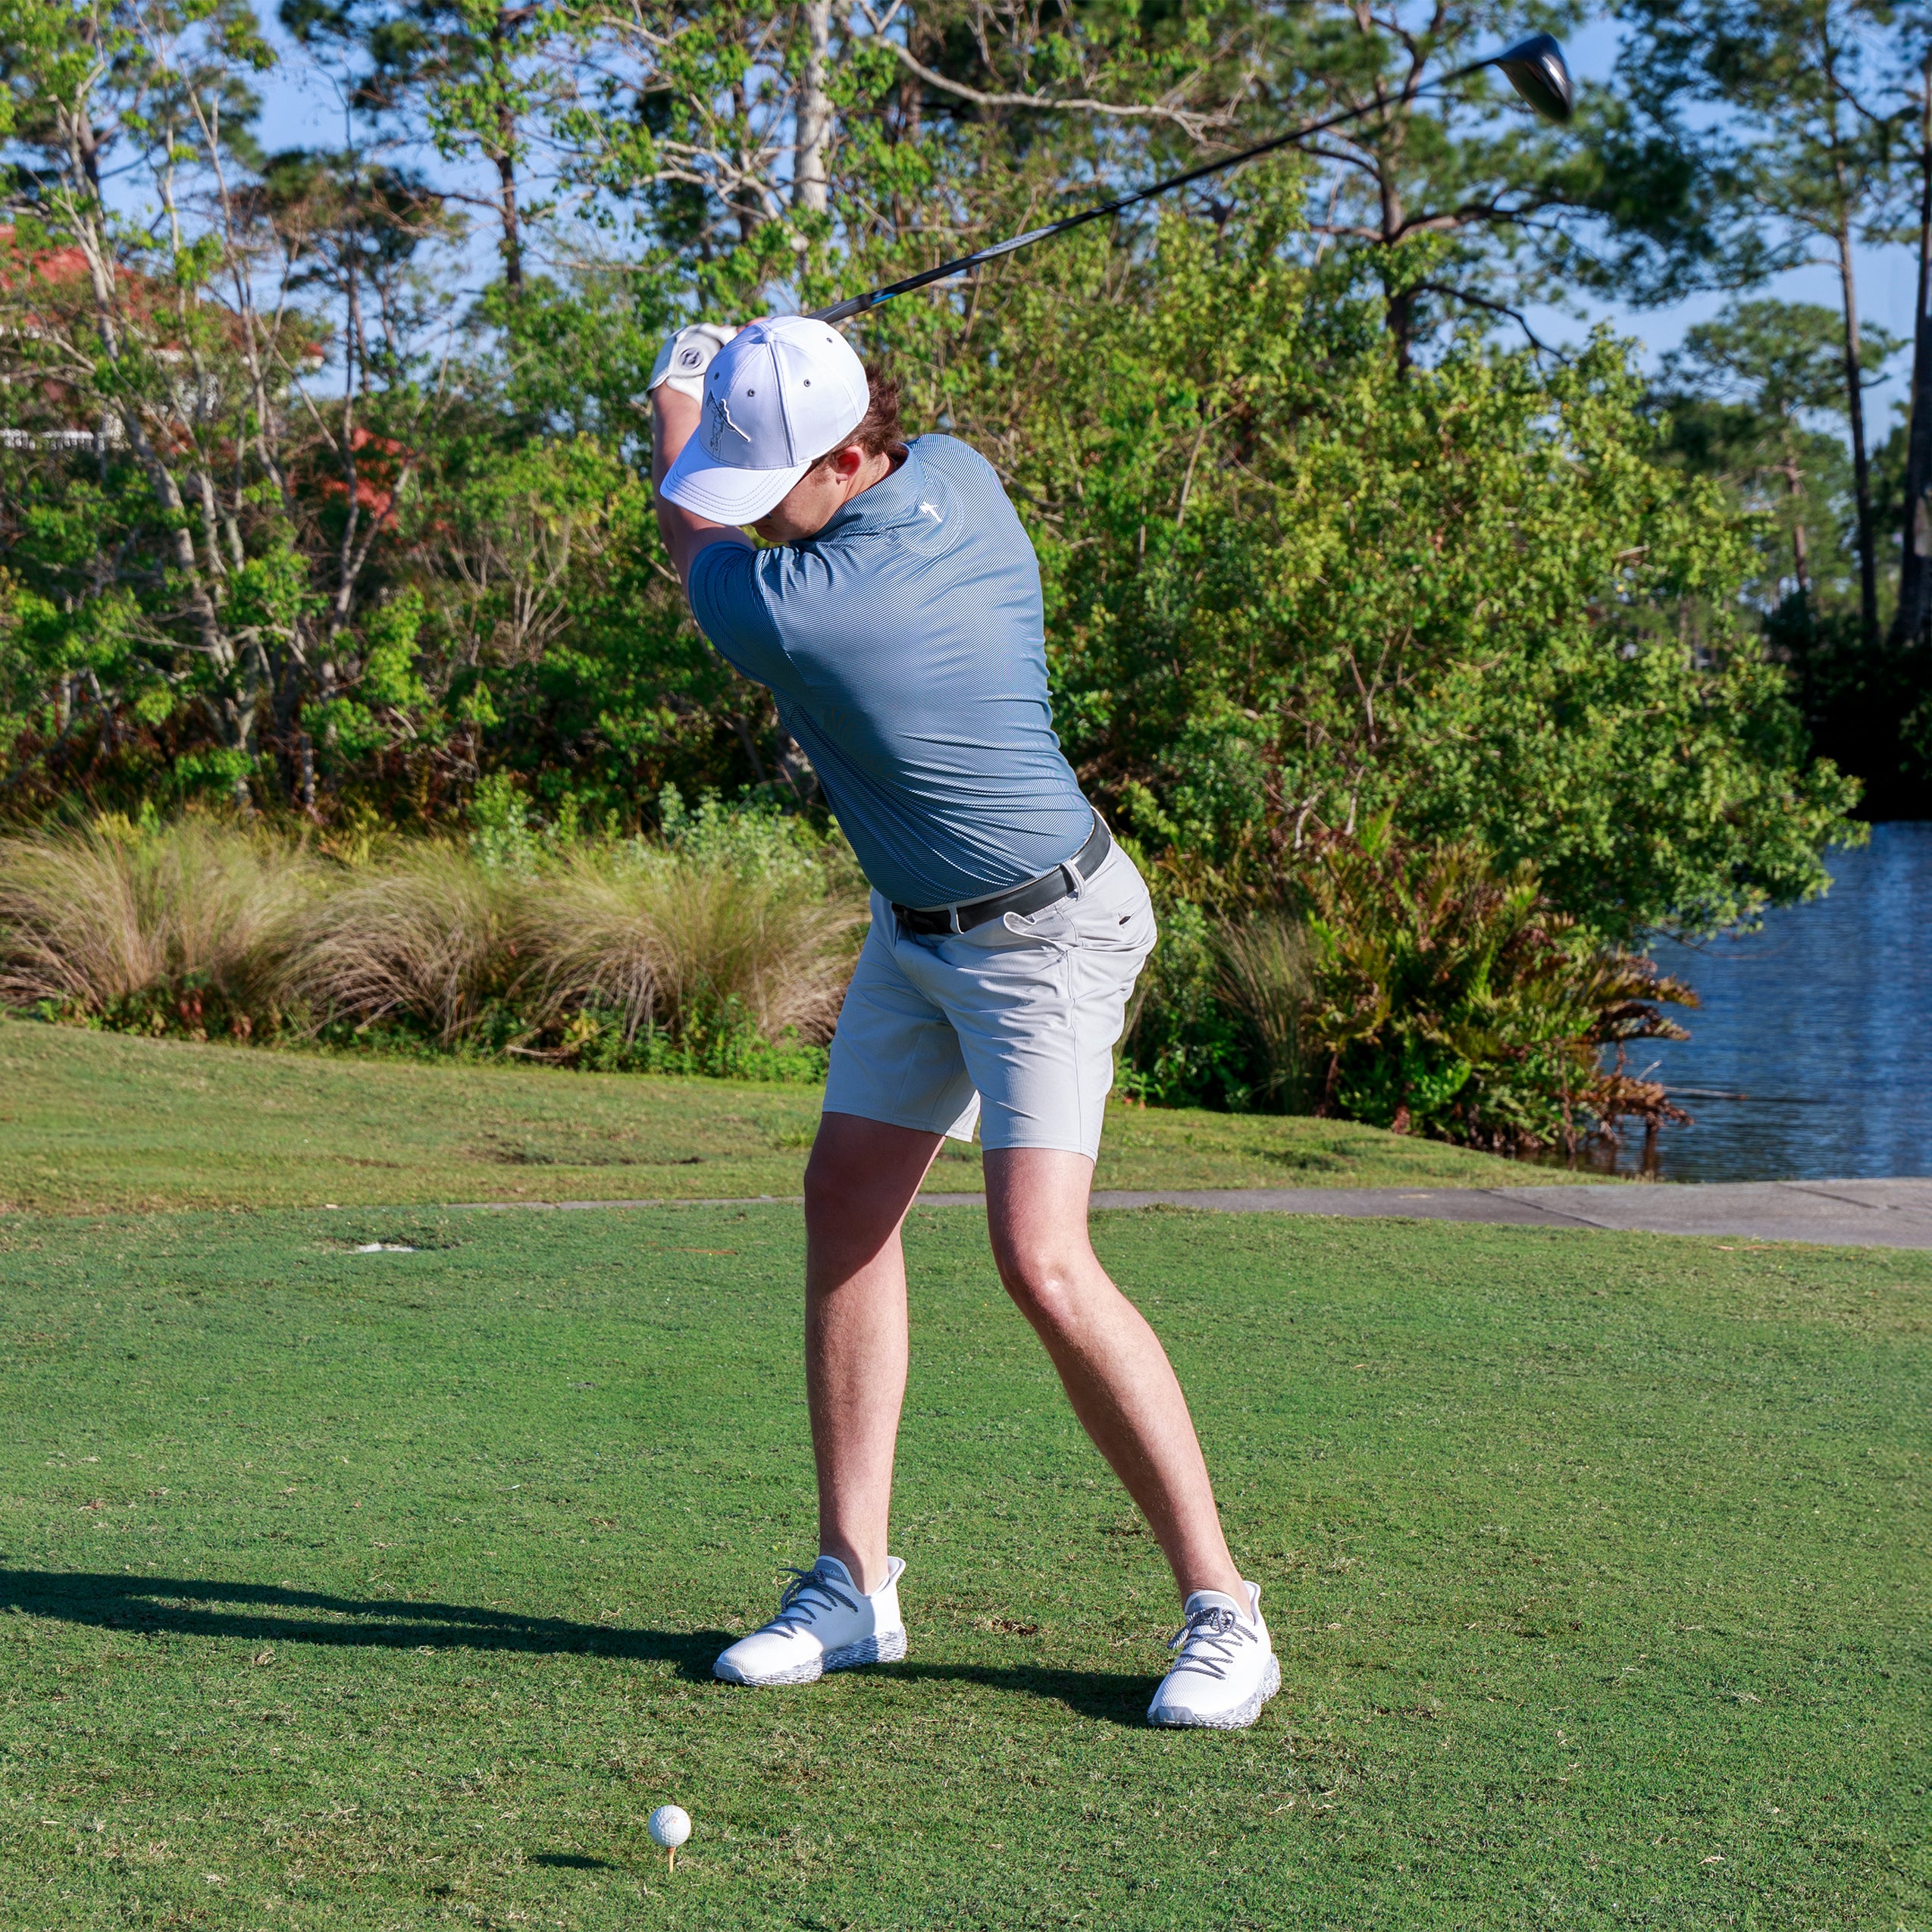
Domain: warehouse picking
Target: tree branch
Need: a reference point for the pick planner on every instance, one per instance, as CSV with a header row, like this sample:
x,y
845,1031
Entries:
x,y
1191,121
1494,307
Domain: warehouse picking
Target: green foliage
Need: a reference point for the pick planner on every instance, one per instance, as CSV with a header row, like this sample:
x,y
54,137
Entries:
x,y
503,839
1867,703
1316,553
1812,149
752,839
1292,586
722,1040
1443,997
1185,1046
1755,398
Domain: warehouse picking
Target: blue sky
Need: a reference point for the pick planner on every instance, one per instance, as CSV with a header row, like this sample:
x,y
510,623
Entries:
x,y
1887,281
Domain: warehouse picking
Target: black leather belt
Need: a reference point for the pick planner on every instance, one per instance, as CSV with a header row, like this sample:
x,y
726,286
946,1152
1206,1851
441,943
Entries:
x,y
1034,896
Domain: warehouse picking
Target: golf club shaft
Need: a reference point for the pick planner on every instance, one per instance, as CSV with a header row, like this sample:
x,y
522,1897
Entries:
x,y
858,304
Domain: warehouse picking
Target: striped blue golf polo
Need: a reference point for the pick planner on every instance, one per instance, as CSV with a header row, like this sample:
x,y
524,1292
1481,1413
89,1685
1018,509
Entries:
x,y
906,648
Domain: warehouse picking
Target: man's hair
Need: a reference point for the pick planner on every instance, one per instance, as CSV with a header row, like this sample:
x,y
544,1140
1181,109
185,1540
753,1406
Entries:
x,y
879,432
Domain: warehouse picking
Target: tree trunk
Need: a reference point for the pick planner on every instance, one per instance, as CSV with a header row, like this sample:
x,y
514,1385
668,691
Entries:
x,y
1801,548
1915,554
809,189
504,155
506,176
1861,463
1399,303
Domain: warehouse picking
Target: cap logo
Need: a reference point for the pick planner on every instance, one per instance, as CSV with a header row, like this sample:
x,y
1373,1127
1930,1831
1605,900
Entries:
x,y
718,419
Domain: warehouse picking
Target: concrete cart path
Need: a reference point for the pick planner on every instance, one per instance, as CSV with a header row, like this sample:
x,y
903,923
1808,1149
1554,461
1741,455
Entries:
x,y
1849,1214
1854,1214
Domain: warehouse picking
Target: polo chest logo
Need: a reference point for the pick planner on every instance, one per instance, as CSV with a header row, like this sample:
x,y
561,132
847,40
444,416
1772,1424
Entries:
x,y
935,524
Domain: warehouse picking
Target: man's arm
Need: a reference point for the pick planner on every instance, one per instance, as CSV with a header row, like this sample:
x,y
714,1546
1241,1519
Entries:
x,y
674,418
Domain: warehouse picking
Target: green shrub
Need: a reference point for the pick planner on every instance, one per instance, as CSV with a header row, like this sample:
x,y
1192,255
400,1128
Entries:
x,y
1446,997
723,1041
1183,1045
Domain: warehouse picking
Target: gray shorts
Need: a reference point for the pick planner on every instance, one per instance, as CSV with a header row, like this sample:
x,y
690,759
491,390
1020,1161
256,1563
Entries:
x,y
1018,1016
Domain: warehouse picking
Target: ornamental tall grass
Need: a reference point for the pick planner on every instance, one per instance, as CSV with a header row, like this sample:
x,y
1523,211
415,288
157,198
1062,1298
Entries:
x,y
428,937
100,922
731,934
1264,975
668,939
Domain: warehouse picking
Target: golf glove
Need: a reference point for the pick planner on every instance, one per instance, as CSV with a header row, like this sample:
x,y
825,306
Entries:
x,y
683,360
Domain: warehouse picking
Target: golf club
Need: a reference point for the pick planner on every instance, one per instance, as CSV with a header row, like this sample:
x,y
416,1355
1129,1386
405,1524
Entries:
x,y
1536,68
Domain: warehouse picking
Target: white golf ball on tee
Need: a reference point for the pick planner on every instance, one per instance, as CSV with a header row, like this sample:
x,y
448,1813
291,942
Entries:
x,y
670,1826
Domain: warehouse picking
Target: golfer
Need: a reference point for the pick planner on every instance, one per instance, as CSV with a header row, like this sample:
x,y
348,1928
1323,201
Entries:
x,y
897,620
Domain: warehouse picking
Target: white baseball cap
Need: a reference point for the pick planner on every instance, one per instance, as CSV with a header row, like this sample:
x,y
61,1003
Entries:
x,y
779,395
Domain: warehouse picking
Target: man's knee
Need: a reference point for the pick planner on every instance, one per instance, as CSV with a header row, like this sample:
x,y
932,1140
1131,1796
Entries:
x,y
1048,1283
845,1210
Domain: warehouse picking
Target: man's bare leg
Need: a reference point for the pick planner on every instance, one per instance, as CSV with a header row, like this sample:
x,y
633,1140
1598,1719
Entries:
x,y
861,1178
1114,1371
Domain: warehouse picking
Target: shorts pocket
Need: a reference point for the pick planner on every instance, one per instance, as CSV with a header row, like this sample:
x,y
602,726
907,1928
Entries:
x,y
1114,915
1111,914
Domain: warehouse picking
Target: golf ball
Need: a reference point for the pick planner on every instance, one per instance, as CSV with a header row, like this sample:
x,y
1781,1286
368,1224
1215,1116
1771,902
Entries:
x,y
671,1825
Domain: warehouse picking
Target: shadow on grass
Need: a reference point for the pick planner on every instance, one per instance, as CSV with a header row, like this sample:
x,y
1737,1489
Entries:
x,y
270,1614
1108,1697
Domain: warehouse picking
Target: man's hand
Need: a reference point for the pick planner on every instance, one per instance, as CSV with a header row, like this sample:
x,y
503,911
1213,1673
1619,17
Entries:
x,y
683,360
677,388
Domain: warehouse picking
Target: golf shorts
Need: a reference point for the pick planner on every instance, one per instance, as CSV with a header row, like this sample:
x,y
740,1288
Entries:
x,y
1012,1026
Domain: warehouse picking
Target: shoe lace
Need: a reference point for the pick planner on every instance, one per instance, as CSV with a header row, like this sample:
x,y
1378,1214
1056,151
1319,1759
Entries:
x,y
1207,1642
810,1593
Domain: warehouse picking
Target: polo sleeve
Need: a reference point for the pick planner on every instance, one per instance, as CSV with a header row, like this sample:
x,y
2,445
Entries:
x,y
732,608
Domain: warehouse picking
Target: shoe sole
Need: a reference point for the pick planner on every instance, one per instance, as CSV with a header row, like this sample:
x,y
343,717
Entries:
x,y
886,1649
1239,1718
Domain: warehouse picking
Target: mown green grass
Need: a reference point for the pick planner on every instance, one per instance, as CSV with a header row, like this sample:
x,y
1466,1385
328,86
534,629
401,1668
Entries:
x,y
96,1122
361,1590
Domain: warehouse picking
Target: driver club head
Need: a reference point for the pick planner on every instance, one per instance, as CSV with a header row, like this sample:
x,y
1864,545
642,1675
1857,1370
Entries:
x,y
1537,72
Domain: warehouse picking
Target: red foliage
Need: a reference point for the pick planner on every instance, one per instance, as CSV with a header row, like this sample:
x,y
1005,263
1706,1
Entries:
x,y
378,459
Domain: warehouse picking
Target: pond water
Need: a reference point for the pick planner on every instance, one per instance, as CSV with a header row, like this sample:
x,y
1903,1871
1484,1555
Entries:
x,y
1811,1056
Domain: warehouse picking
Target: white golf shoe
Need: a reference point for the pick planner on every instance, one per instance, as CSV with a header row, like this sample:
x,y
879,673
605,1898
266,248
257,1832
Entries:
x,y
824,1623
1226,1669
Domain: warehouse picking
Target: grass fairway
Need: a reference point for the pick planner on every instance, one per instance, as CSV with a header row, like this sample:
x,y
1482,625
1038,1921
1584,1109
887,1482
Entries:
x,y
379,1589
98,1122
